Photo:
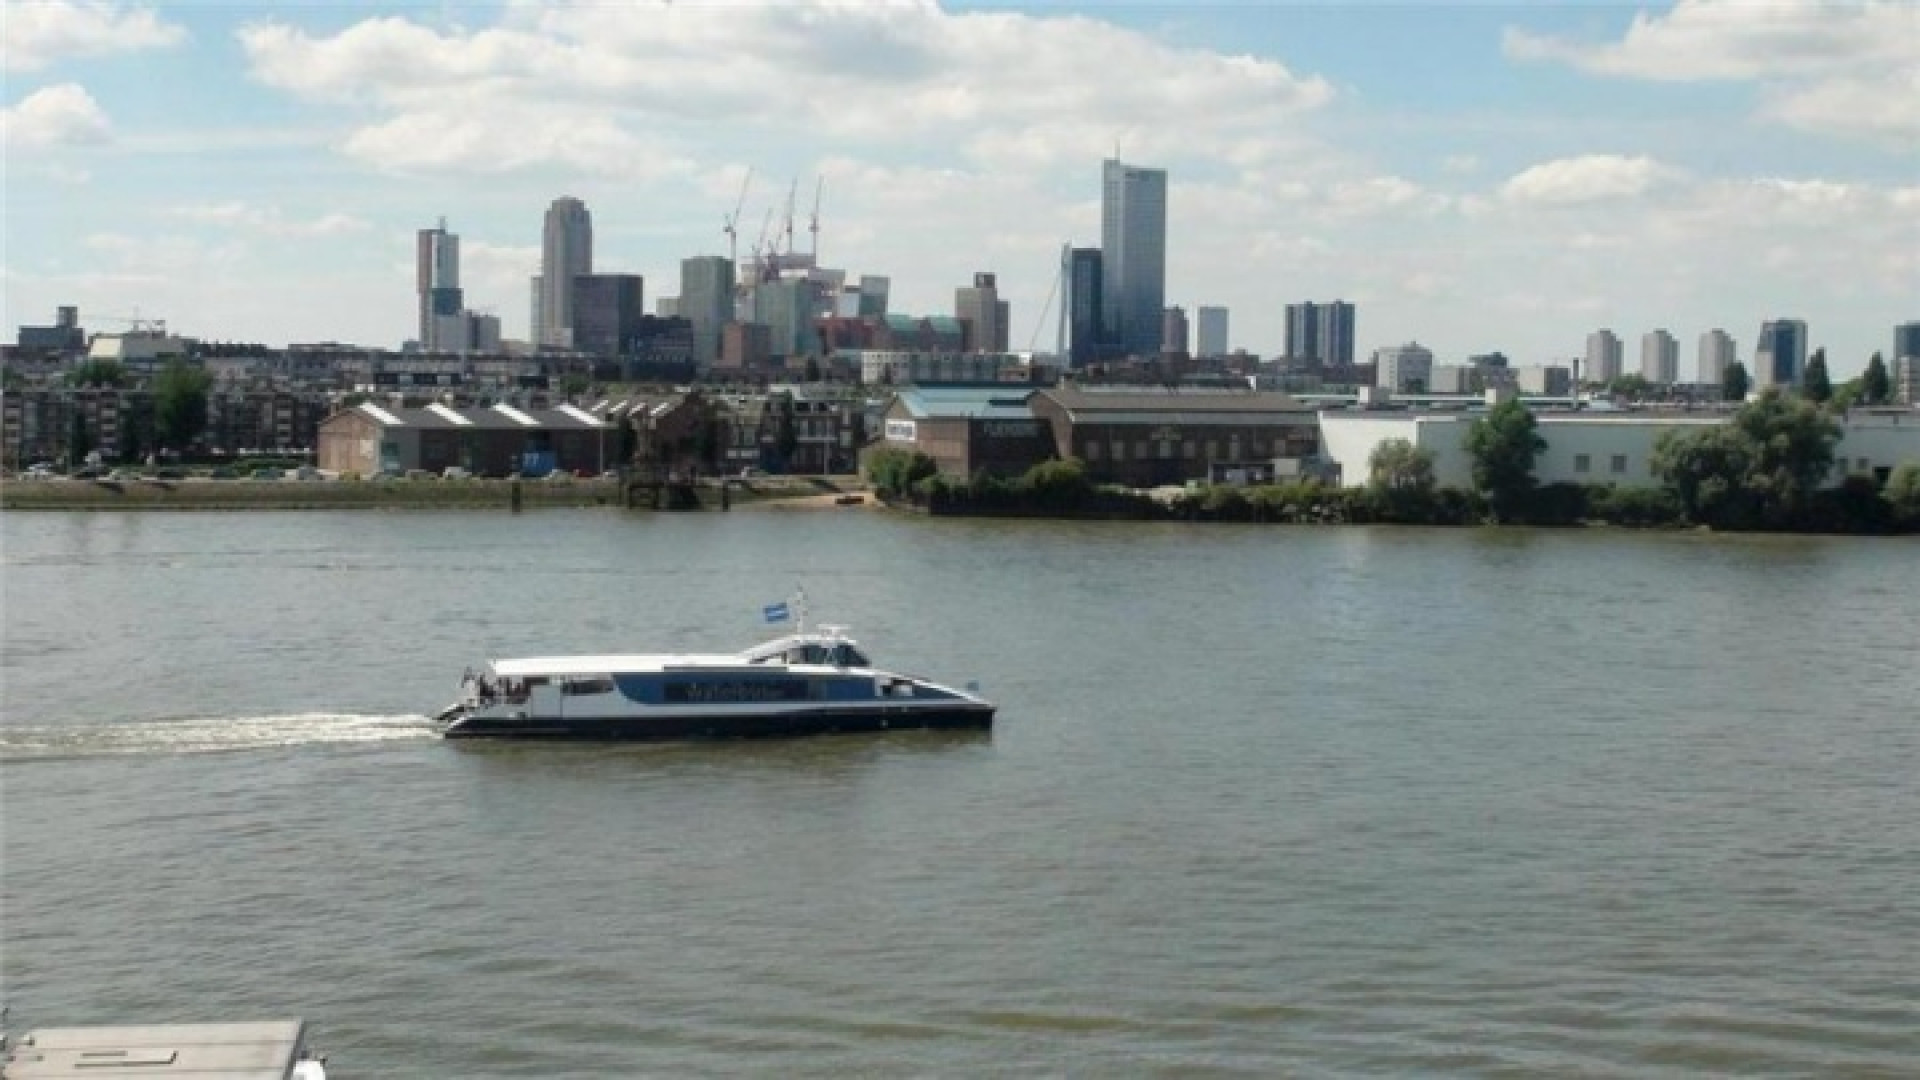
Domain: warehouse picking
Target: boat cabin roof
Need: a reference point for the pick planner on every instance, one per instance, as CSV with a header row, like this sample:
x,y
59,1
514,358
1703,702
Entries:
x,y
251,1050
812,647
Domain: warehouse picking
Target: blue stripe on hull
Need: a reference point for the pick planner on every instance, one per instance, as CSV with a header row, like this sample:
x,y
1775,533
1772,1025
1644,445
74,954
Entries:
x,y
958,717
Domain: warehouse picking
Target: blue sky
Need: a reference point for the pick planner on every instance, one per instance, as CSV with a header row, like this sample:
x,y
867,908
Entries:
x,y
1473,177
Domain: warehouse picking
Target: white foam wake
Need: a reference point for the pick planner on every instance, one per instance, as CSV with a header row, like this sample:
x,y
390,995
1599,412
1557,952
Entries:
x,y
206,734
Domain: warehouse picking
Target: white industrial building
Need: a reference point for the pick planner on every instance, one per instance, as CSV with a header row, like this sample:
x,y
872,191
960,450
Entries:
x,y
1593,447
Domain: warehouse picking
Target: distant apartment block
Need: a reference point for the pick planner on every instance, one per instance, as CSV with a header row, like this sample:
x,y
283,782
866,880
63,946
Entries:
x,y
706,301
983,314
1659,358
1210,329
1603,359
606,312
1780,355
1321,333
1716,355
1403,368
1174,330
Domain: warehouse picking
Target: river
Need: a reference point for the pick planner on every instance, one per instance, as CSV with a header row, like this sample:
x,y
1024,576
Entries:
x,y
1260,800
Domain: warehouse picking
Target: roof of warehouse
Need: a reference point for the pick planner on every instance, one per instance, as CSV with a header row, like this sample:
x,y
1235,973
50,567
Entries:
x,y
980,402
495,418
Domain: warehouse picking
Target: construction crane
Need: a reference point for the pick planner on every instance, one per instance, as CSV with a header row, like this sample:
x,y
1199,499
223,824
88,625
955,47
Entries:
x,y
134,323
813,223
763,248
733,219
792,189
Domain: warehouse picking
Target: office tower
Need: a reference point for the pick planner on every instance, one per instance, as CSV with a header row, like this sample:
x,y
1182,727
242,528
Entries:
x,y
1780,356
1659,358
1603,357
1904,385
983,314
874,291
1133,252
1717,354
1906,340
437,275
784,306
566,254
1403,368
1174,330
1321,333
1082,305
606,311
1211,328
706,300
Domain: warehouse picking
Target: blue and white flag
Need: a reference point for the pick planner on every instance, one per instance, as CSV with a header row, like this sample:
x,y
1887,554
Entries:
x,y
775,612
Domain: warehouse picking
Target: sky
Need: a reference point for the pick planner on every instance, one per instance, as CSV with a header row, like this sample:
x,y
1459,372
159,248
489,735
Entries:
x,y
1502,176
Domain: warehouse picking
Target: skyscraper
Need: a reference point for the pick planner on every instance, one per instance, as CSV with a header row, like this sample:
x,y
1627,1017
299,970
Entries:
x,y
1717,354
1780,356
1603,357
605,313
1174,330
706,300
1906,340
1133,251
1211,330
983,313
1659,358
437,274
1082,305
566,253
1321,333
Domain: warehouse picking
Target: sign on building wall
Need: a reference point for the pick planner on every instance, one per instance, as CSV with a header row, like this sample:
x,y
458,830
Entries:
x,y
1010,429
902,431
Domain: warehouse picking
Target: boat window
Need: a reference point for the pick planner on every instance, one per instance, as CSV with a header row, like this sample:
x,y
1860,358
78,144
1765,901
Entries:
x,y
846,655
574,687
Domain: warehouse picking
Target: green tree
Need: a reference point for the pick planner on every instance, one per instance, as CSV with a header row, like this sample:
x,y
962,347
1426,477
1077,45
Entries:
x,y
1792,443
1815,384
1903,491
1398,465
1634,386
1761,468
786,433
180,404
1503,445
1875,387
813,369
1734,383
98,373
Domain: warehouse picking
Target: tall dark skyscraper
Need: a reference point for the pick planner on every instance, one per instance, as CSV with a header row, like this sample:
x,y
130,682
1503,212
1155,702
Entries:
x,y
1321,332
1133,249
1780,356
1081,303
1906,340
606,312
437,275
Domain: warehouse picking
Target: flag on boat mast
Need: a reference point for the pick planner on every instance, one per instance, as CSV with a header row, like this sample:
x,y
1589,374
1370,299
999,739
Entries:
x,y
775,612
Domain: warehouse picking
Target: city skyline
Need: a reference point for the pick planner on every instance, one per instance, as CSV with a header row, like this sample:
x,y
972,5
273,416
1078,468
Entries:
x,y
1473,178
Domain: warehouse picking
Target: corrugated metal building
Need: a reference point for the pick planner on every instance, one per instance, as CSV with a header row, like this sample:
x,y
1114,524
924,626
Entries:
x,y
502,440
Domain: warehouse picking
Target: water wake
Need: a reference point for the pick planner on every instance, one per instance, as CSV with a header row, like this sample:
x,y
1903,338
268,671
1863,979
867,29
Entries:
x,y
205,734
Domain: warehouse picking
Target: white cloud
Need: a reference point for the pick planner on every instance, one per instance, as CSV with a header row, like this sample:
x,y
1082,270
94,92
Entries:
x,y
62,115
1845,69
43,32
1585,179
591,82
240,217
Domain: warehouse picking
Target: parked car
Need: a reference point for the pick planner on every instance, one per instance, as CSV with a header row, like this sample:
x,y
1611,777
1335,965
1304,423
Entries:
x,y
455,472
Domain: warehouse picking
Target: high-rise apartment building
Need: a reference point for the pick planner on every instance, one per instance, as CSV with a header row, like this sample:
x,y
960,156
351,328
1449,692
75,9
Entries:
x,y
437,274
1082,305
1403,368
1659,358
1780,356
706,301
1133,250
1906,340
1603,360
983,314
1210,329
1904,381
1716,355
606,312
1174,330
566,254
1321,333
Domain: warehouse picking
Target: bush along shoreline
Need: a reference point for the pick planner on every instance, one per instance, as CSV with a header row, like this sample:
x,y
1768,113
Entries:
x,y
1761,472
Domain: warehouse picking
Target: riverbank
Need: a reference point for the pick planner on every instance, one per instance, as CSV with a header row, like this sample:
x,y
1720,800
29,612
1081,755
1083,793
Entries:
x,y
471,494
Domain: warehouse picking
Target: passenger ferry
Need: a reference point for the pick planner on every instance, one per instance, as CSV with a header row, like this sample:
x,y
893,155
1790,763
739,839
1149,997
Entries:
x,y
805,683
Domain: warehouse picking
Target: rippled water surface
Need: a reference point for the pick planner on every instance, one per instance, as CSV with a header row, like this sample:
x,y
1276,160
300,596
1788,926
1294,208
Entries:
x,y
1260,801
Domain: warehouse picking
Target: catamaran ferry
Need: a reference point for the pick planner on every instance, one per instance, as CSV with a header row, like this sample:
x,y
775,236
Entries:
x,y
805,683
